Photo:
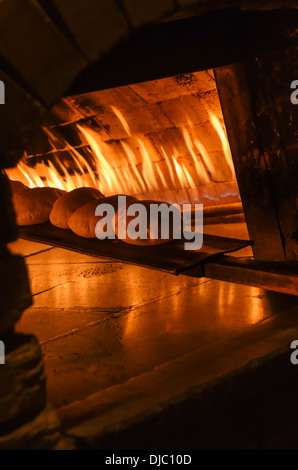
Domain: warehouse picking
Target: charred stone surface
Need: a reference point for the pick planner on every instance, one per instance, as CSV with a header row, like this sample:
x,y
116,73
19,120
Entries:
x,y
278,123
261,123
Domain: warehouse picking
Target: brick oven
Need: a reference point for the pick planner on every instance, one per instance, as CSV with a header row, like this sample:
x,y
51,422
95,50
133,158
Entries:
x,y
186,102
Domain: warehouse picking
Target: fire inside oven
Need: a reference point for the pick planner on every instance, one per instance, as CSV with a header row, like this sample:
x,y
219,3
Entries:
x,y
163,140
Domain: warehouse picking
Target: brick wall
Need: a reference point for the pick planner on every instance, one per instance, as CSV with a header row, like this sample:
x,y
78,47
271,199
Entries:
x,y
160,113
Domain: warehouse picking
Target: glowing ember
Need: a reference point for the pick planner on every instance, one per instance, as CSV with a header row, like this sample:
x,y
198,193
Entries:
x,y
177,177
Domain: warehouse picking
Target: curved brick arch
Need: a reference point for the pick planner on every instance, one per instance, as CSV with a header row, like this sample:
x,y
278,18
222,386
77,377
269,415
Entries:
x,y
49,43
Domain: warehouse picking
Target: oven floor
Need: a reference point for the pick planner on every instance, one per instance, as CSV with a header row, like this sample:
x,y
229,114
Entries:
x,y
103,322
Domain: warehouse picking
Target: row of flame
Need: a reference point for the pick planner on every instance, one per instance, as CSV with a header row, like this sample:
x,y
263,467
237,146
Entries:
x,y
132,178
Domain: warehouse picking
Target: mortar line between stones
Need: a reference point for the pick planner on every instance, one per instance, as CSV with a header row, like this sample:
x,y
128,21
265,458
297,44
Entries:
x,y
119,314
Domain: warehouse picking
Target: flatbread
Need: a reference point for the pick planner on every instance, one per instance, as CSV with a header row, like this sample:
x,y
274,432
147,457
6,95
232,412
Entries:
x,y
33,206
83,221
66,205
153,227
17,186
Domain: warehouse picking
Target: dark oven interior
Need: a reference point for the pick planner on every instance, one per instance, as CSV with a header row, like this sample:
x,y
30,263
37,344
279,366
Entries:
x,y
183,102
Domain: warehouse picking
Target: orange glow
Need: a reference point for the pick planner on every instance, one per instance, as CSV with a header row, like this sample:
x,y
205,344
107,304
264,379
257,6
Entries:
x,y
223,138
134,171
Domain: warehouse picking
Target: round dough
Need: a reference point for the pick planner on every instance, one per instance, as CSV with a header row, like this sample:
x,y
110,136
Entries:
x,y
66,205
83,221
122,221
33,206
17,186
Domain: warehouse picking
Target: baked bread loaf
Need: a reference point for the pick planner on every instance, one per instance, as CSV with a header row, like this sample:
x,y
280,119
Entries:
x,y
156,234
17,186
33,206
66,205
83,221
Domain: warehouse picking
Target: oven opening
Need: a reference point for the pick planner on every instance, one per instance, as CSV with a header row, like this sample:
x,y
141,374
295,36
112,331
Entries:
x,y
162,140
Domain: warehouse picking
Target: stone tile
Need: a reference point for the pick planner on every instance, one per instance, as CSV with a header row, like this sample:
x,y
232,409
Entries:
x,y
26,247
189,108
134,144
127,286
124,345
60,256
63,111
198,83
159,90
171,140
141,119
207,136
51,275
211,389
147,117
49,324
122,97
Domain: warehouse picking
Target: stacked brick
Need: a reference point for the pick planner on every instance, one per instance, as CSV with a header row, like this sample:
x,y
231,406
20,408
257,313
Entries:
x,y
159,113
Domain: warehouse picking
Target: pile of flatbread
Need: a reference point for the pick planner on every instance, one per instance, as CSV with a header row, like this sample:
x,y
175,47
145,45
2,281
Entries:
x,y
75,210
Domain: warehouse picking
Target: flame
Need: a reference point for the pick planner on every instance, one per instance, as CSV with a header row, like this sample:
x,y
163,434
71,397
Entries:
x,y
121,119
178,177
199,166
223,138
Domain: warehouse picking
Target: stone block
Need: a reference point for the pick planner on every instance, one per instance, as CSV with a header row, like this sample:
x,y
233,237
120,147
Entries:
x,y
171,140
40,144
159,90
96,26
35,48
184,110
207,135
145,118
175,87
84,104
196,82
153,152
64,112
109,126
65,136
